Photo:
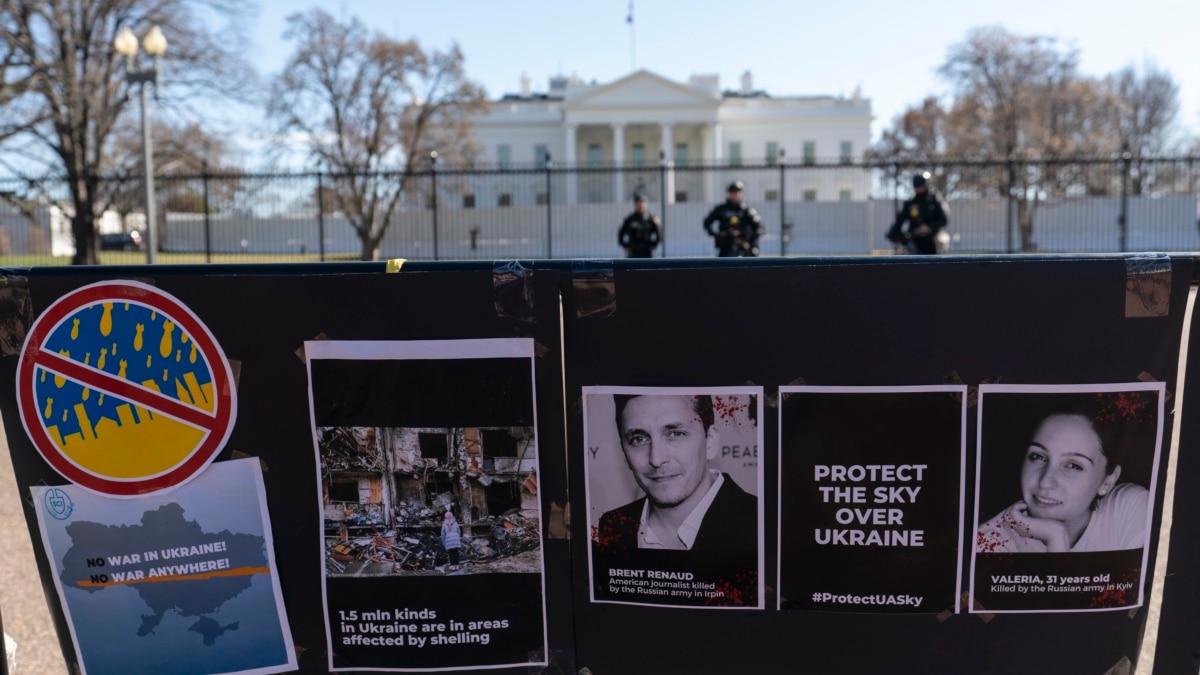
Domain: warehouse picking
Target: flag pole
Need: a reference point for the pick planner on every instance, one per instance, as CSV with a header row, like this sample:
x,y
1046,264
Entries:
x,y
632,39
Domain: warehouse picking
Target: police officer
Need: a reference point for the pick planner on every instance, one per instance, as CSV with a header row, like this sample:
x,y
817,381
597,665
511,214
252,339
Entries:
x,y
926,214
738,225
641,231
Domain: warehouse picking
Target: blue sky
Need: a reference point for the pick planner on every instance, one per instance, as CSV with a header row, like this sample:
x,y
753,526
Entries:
x,y
890,48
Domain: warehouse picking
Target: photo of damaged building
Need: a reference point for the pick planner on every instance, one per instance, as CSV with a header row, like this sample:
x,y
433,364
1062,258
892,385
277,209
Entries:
x,y
385,492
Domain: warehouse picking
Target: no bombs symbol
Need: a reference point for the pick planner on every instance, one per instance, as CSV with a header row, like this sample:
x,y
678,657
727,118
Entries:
x,y
123,390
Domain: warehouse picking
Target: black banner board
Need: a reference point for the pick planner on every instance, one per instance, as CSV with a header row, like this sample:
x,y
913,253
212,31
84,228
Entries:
x,y
864,324
368,504
623,466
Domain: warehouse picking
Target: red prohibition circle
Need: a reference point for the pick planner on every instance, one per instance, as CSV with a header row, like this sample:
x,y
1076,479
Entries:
x,y
218,425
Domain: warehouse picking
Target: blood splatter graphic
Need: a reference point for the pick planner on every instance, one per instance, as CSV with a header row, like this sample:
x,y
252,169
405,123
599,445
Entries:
x,y
1005,534
728,408
738,591
1133,409
611,531
1121,592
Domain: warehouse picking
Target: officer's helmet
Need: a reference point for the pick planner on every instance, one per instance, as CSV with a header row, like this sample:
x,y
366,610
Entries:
x,y
920,179
639,197
736,185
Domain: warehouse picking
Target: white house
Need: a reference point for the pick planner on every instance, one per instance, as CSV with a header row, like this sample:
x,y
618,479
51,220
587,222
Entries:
x,y
643,121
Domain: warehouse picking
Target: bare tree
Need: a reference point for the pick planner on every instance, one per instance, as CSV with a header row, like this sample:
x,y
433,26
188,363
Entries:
x,y
1147,106
1020,96
371,108
75,93
1004,74
187,158
916,135
180,147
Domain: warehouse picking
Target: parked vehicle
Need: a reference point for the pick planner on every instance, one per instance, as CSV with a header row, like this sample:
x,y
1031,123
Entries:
x,y
121,241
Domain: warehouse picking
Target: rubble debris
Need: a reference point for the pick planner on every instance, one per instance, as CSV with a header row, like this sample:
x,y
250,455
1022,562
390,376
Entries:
x,y
420,548
350,449
356,516
416,514
513,534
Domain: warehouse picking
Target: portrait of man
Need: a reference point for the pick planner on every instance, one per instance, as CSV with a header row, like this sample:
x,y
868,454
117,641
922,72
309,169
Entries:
x,y
690,534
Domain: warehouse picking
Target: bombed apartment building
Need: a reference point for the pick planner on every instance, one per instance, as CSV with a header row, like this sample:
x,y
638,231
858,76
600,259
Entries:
x,y
395,485
353,466
475,472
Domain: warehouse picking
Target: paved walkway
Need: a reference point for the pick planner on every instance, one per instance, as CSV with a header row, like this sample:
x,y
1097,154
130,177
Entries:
x,y
23,606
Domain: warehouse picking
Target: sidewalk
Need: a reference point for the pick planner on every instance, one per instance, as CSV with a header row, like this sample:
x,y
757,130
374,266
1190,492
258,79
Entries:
x,y
23,606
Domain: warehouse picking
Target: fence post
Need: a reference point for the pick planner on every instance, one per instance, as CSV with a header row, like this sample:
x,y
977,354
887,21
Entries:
x,y
662,191
1122,220
784,228
1012,186
549,213
320,215
433,157
207,211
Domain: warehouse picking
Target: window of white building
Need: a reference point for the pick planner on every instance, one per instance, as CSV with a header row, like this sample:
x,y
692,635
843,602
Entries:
x,y
468,201
504,156
681,196
772,195
772,153
540,155
595,154
810,195
810,152
505,199
637,155
844,195
735,153
681,155
847,152
542,199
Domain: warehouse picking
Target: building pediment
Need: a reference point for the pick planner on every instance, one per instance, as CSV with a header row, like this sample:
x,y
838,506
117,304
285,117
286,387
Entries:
x,y
642,89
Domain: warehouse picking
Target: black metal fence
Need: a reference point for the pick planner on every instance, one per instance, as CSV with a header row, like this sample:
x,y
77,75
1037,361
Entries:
x,y
552,211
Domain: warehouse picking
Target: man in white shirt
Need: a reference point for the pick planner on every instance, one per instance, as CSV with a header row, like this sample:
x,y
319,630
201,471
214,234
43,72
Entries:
x,y
692,518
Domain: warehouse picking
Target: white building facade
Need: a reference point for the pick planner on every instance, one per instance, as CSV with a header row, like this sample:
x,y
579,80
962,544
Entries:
x,y
678,142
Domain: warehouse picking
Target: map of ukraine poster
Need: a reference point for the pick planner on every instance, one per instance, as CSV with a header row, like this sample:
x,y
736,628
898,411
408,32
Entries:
x,y
181,582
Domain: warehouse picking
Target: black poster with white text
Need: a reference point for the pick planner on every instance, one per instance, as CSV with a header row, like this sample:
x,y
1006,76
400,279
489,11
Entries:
x,y
870,488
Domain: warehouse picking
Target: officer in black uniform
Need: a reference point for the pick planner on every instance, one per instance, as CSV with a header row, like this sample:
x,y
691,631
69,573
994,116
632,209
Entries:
x,y
738,225
926,214
641,231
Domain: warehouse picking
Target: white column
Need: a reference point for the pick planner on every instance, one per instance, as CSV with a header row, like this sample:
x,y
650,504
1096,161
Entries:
x,y
619,195
569,162
668,148
713,186
714,143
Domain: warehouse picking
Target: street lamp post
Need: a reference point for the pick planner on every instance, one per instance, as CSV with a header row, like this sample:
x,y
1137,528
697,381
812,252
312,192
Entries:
x,y
154,44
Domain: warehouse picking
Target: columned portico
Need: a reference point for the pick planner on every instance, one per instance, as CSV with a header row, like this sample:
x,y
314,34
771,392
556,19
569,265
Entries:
x,y
649,133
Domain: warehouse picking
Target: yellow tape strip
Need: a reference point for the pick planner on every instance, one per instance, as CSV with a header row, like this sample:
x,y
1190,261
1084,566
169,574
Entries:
x,y
395,264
